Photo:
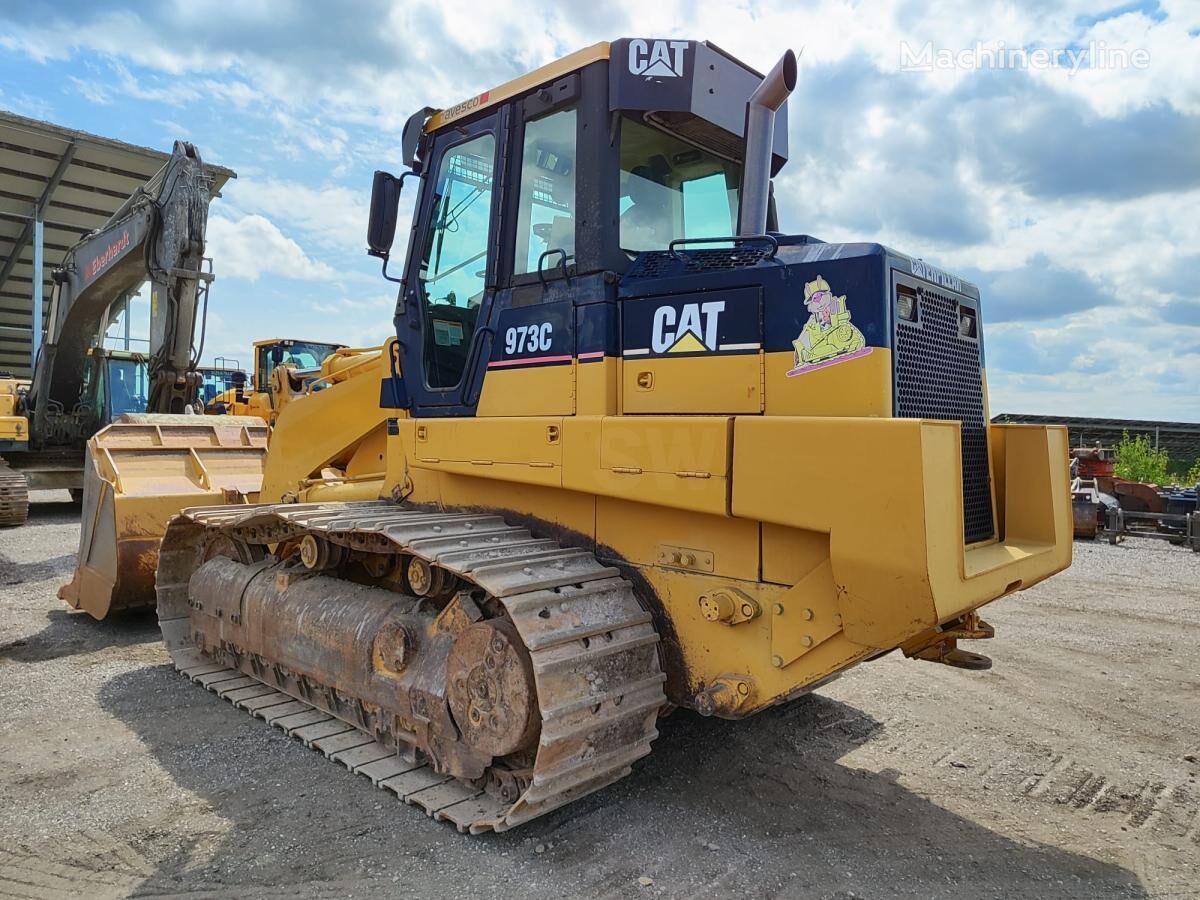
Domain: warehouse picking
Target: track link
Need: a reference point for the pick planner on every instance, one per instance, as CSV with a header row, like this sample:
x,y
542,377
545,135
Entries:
x,y
599,691
14,496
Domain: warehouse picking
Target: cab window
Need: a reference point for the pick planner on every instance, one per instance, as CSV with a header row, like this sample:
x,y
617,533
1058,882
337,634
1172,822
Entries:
x,y
673,189
454,260
546,214
127,387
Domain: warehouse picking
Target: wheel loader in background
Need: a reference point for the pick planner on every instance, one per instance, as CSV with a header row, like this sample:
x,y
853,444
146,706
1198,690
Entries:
x,y
228,392
626,458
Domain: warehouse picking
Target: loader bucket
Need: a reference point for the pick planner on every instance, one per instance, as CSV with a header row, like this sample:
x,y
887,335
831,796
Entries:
x,y
138,473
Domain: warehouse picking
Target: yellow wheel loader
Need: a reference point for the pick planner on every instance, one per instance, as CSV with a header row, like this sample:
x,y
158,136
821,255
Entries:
x,y
626,461
225,391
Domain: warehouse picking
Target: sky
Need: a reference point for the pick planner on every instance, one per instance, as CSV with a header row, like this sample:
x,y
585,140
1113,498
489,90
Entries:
x,y
1065,182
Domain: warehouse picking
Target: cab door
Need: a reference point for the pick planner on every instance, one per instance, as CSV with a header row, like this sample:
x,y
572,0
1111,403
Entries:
x,y
451,277
531,367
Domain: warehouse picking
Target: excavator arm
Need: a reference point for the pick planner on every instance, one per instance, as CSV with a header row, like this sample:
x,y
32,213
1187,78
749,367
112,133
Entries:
x,y
156,235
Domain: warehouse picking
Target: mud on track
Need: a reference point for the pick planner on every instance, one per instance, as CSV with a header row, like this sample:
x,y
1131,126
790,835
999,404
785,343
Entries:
x,y
1069,770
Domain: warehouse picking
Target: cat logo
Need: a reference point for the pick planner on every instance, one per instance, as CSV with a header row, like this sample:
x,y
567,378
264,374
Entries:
x,y
693,329
657,59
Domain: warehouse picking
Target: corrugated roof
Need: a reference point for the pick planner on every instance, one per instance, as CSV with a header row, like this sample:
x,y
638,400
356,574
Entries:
x,y
78,180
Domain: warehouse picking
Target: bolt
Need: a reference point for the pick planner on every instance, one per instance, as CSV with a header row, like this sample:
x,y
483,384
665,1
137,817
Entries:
x,y
808,614
689,559
779,609
807,640
777,662
747,610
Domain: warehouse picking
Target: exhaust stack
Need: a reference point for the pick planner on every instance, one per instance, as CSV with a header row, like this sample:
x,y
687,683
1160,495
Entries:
x,y
766,100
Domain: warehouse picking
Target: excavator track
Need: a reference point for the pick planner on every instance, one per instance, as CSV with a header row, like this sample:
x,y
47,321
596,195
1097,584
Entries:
x,y
14,496
591,645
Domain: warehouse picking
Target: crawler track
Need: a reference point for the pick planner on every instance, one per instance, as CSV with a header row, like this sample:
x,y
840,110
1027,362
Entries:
x,y
592,646
14,496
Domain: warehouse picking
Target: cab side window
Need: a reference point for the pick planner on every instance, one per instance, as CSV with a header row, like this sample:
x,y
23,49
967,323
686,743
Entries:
x,y
454,262
546,212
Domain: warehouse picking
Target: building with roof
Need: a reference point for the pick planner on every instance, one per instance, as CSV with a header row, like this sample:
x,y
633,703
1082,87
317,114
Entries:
x,y
56,185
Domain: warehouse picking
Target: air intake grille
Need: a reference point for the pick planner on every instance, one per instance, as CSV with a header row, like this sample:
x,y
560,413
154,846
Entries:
x,y
938,376
662,263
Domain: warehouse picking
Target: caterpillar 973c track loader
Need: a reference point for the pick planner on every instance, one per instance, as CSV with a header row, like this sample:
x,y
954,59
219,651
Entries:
x,y
629,460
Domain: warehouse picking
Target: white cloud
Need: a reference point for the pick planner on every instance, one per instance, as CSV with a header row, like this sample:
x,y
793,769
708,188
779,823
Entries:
x,y
252,246
333,216
909,159
92,91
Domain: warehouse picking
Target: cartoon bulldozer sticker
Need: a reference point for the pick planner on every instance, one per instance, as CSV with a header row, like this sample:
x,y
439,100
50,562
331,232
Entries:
x,y
828,336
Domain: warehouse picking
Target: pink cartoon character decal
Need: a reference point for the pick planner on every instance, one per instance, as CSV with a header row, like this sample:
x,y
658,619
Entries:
x,y
828,337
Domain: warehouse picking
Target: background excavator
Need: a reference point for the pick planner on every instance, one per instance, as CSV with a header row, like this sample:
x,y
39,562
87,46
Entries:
x,y
80,390
118,429
79,387
616,458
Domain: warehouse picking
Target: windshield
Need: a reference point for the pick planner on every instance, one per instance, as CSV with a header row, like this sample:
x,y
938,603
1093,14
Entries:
x,y
454,263
127,387
671,189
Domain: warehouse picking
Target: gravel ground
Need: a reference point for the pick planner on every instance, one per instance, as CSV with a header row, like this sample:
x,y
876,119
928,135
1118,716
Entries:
x,y
1068,770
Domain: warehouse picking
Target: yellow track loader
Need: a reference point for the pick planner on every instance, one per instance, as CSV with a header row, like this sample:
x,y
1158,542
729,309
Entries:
x,y
619,457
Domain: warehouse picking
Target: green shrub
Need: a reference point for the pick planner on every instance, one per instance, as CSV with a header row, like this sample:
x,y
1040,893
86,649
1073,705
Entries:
x,y
1137,460
1192,477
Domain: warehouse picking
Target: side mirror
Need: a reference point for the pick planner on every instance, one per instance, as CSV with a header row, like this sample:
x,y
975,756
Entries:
x,y
385,206
276,355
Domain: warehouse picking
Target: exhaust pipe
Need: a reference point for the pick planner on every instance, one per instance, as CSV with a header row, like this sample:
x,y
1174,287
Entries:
x,y
766,100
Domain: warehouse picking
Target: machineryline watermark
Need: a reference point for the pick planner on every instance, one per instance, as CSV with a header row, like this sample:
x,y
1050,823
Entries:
x,y
1093,55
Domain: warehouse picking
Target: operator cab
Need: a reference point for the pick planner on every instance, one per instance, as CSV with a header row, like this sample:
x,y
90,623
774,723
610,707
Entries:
x,y
304,356
544,190
115,382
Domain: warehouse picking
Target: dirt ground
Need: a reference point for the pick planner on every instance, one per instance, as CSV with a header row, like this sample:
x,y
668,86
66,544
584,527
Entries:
x,y
1068,770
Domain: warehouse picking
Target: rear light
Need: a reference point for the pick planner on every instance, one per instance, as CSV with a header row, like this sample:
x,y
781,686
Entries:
x,y
906,304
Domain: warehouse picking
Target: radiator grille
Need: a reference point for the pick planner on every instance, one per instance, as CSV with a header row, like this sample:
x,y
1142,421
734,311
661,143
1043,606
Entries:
x,y
938,376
